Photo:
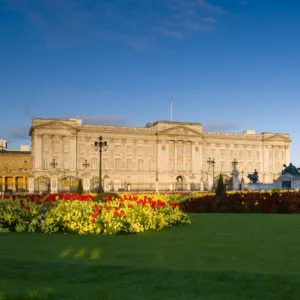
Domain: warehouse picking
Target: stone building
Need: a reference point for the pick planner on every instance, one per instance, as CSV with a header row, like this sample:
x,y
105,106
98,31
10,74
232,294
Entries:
x,y
15,166
161,156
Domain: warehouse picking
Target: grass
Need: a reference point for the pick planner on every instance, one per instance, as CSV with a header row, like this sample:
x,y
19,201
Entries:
x,y
219,256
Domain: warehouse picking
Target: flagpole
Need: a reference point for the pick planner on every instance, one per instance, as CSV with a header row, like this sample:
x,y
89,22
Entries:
x,y
171,102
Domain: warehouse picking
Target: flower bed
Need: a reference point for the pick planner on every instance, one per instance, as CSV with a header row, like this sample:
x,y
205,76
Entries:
x,y
81,214
278,201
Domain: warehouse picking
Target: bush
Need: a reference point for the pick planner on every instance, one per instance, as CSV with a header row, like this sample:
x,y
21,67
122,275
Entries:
x,y
80,187
220,191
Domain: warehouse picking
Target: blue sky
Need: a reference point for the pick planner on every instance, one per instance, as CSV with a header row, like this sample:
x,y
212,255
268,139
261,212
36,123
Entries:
x,y
231,65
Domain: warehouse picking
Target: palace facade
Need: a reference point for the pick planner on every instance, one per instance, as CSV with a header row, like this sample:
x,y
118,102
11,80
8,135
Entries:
x,y
162,156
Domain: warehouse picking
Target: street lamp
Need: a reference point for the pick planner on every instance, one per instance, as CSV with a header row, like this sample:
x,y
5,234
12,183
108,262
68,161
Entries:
x,y
86,164
98,146
53,164
211,162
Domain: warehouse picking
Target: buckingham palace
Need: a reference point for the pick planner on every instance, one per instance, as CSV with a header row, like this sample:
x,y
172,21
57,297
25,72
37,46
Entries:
x,y
162,156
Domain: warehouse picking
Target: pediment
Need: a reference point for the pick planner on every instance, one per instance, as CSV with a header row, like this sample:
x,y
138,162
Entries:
x,y
277,138
56,124
179,130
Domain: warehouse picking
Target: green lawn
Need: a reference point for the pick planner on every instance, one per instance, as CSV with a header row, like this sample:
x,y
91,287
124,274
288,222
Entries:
x,y
219,256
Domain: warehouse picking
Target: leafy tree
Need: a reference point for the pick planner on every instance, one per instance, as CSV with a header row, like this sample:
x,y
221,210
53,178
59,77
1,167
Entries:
x,y
80,187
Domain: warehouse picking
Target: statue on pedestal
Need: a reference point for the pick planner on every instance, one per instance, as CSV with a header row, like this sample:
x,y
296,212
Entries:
x,y
253,177
290,169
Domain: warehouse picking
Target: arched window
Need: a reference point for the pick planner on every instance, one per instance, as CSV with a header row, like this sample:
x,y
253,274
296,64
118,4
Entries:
x,y
151,165
117,164
45,164
140,165
105,164
129,164
94,164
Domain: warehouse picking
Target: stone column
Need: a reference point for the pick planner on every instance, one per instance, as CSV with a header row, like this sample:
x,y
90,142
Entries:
x,y
159,142
38,157
287,155
14,183
175,155
183,156
235,179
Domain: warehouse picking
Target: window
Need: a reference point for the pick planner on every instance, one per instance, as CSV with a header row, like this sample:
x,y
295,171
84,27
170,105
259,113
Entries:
x,y
94,164
249,153
150,150
129,164
140,165
258,155
270,154
118,164
222,153
222,166
282,154
140,150
45,164
81,149
25,161
276,154
66,165
15,161
45,147
250,167
105,164
66,148
231,153
129,150
118,149
151,165
241,153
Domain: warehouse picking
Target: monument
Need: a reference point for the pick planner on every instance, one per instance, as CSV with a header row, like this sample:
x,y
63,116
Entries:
x,y
235,176
288,180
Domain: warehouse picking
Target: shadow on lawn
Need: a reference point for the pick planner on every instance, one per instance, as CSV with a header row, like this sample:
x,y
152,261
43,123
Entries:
x,y
81,281
32,295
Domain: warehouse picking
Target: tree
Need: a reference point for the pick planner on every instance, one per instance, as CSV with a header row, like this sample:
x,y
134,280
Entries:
x,y
80,187
220,191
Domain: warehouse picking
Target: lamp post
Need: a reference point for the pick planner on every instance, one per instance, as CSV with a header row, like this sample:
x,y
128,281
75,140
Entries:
x,y
53,164
98,145
234,163
86,164
211,162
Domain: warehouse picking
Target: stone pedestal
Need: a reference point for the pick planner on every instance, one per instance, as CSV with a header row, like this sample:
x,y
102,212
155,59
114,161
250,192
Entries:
x,y
86,184
235,180
201,186
54,184
31,184
209,182
242,184
156,186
